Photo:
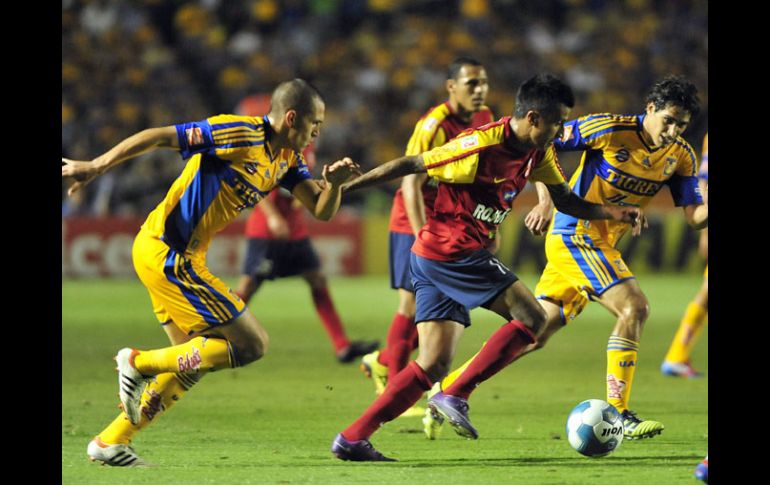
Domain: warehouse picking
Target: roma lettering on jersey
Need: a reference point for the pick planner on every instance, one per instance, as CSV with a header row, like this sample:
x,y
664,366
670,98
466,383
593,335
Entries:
x,y
437,126
480,174
231,167
618,167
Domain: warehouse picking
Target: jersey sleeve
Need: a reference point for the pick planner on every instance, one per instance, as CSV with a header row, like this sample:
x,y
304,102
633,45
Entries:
x,y
220,135
593,131
548,170
703,173
455,162
684,182
195,137
427,134
298,172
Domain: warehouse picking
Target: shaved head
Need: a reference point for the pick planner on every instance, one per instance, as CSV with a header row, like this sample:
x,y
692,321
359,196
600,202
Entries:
x,y
298,95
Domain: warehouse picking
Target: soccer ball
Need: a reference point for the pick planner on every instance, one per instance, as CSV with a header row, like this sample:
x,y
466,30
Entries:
x,y
594,428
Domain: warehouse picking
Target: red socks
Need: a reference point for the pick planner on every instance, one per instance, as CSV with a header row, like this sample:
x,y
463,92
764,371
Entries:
x,y
500,350
401,393
331,321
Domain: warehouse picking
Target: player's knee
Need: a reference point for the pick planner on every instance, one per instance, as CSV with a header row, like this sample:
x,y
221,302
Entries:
x,y
636,310
252,350
535,318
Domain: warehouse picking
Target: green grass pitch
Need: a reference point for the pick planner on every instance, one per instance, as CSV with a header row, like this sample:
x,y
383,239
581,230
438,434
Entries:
x,y
273,421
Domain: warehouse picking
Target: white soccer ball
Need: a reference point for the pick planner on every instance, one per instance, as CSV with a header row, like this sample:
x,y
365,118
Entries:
x,y
594,428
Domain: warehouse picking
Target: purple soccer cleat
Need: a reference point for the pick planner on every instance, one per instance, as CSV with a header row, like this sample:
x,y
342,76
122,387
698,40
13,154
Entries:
x,y
455,409
360,450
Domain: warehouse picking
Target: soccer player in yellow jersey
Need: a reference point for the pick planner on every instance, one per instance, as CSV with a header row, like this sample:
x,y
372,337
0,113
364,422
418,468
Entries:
x,y
233,162
677,360
626,161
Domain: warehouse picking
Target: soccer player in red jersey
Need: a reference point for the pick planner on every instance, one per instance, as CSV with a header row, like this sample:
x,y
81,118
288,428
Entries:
x,y
481,172
279,246
232,162
467,86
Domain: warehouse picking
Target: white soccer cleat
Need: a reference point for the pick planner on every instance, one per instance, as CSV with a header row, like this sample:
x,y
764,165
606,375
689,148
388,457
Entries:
x,y
130,383
114,455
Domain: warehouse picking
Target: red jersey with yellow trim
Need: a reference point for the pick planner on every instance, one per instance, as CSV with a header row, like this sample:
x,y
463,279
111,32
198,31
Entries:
x,y
290,209
481,173
437,126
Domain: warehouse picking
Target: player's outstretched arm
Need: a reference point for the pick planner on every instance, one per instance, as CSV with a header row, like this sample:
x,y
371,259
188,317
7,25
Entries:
x,y
570,203
85,171
539,217
387,171
323,199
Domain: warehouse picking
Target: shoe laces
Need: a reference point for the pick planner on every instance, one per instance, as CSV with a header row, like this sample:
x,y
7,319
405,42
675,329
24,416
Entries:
x,y
629,415
366,444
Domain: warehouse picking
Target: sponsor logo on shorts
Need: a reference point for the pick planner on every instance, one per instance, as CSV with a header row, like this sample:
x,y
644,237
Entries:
x,y
490,214
190,363
194,136
615,387
627,363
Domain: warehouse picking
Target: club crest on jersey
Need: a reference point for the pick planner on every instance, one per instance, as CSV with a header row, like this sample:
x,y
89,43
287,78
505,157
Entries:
x,y
622,155
646,162
566,134
194,136
250,167
510,195
469,142
668,170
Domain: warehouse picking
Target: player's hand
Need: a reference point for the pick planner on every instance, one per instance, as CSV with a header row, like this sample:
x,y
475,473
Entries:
x,y
538,219
632,215
340,172
82,172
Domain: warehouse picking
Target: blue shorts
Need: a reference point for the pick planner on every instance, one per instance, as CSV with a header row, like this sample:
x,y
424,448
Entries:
x,y
267,259
400,249
448,290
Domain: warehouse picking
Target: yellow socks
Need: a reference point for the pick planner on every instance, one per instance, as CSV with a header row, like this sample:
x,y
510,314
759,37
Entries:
x,y
621,365
687,335
196,355
161,393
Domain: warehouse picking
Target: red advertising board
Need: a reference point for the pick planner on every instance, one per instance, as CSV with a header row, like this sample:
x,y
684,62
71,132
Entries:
x,y
101,247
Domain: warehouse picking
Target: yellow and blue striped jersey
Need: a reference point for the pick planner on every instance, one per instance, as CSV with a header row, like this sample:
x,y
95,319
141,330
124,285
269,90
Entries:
x,y
703,173
231,167
618,167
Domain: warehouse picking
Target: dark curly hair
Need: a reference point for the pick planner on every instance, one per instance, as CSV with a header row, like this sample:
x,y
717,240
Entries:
x,y
676,91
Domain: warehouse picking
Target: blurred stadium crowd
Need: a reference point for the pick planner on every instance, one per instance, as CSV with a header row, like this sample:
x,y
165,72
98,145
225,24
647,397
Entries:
x,y
132,64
